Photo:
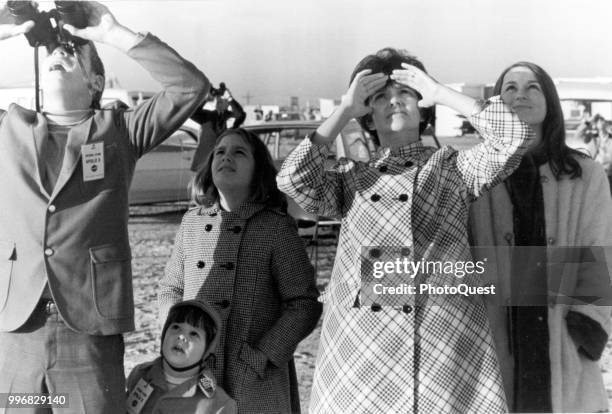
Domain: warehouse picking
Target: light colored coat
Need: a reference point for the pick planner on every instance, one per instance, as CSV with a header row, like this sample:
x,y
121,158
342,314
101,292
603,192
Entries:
x,y
578,213
251,266
76,238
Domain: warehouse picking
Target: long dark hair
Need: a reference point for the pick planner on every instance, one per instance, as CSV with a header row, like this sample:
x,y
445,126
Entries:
x,y
561,157
263,187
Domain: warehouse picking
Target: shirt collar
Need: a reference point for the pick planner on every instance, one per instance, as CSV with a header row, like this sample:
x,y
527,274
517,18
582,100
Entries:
x,y
408,151
245,211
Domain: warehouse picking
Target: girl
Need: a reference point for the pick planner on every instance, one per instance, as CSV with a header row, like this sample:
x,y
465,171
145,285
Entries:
x,y
556,207
240,251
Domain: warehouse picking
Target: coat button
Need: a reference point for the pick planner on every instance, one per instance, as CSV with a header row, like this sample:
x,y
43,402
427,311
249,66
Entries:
x,y
224,304
382,168
375,307
208,227
403,197
237,229
551,241
375,253
201,264
51,208
544,179
49,252
406,309
408,164
508,237
405,251
375,197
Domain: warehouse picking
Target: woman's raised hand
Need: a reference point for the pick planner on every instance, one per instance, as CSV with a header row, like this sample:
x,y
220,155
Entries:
x,y
362,87
418,80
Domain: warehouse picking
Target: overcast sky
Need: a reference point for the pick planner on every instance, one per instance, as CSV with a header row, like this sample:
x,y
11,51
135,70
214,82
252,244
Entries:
x,y
272,49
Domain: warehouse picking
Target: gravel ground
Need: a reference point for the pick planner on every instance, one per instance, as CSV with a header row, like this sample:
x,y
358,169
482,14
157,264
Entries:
x,y
152,231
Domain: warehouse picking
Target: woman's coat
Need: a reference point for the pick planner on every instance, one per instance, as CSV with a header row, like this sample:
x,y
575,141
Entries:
x,y
251,265
578,213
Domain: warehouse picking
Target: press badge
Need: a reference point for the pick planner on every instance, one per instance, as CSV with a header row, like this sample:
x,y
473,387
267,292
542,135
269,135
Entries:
x,y
139,396
92,156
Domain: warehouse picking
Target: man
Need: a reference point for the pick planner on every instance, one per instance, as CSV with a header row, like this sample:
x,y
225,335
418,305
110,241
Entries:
x,y
213,123
65,279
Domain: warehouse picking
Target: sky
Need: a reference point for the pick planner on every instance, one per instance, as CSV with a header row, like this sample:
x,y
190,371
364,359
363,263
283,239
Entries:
x,y
273,49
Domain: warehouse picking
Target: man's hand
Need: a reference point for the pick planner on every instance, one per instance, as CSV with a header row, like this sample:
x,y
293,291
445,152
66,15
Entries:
x,y
8,28
103,27
362,87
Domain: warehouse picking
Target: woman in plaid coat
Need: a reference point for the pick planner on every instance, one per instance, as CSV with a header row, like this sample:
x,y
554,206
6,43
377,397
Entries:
x,y
400,353
240,251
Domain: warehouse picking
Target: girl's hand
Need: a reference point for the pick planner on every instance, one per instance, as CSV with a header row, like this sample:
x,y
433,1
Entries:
x,y
362,87
420,81
8,28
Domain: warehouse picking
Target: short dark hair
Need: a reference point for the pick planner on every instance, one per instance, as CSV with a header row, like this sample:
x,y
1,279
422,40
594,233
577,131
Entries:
x,y
385,61
263,184
194,316
97,68
561,157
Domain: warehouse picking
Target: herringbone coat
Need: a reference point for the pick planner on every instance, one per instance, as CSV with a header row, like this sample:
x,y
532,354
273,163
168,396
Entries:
x,y
252,266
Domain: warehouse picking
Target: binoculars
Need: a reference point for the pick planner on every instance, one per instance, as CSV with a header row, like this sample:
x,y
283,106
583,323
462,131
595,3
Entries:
x,y
44,32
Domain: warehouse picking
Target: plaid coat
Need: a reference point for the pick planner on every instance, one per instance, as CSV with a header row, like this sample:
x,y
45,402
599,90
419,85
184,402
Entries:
x,y
413,202
251,265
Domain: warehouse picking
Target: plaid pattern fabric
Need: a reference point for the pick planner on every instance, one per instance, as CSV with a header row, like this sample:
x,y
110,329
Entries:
x,y
437,356
251,266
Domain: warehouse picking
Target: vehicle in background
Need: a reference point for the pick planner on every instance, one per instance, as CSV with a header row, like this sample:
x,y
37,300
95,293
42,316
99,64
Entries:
x,y
162,175
281,137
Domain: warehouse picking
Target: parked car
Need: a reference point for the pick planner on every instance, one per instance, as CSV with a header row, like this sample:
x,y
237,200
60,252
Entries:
x,y
163,174
281,137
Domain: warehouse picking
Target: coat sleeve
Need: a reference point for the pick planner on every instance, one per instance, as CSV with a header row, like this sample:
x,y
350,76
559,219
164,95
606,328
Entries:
x,y
505,140
303,177
183,90
295,281
172,285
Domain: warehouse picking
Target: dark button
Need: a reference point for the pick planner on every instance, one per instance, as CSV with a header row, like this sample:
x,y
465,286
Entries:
x,y
375,307
406,308
405,251
375,197
403,197
201,264
224,303
208,227
236,229
382,168
544,179
408,164
228,266
375,253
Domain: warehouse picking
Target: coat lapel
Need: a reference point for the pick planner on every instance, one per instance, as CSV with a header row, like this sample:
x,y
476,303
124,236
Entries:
x,y
77,136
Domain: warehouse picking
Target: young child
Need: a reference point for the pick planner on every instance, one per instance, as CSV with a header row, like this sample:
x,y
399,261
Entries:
x,y
240,251
180,381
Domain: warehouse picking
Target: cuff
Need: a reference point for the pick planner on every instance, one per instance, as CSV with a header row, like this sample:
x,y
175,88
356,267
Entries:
x,y
588,334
